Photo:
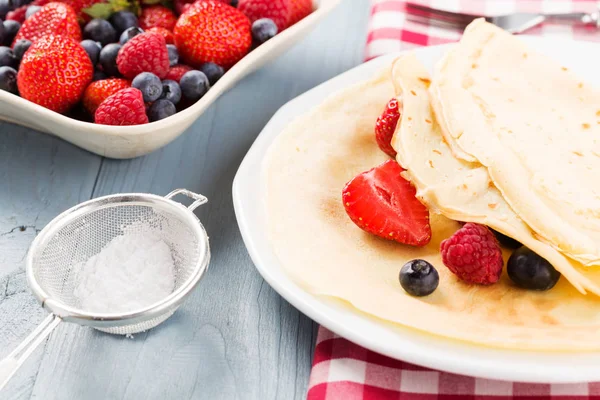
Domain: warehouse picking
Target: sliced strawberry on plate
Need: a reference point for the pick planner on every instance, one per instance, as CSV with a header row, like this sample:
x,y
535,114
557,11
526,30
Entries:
x,y
386,126
383,203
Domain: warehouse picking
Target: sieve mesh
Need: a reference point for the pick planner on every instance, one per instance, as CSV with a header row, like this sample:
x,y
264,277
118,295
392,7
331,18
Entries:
x,y
56,262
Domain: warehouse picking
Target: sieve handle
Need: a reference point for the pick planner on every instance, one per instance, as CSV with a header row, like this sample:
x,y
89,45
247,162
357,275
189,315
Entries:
x,y
198,197
10,364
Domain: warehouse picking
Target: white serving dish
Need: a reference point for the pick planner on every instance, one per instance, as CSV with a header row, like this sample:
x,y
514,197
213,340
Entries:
x,y
134,141
386,338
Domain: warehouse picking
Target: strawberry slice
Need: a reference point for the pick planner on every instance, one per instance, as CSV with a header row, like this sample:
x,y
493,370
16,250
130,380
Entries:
x,y
383,203
386,126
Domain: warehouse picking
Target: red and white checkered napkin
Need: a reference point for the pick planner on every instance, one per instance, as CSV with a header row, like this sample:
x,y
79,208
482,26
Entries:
x,y
390,31
344,370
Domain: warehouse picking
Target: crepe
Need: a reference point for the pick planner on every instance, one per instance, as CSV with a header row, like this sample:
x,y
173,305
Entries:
x,y
321,250
536,128
458,189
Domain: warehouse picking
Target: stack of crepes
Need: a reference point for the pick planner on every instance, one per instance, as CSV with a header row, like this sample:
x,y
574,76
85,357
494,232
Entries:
x,y
500,135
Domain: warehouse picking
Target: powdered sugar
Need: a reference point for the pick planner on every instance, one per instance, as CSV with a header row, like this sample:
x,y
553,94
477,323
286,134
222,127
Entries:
x,y
131,272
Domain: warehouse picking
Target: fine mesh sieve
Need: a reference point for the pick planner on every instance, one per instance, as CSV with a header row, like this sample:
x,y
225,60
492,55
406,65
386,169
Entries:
x,y
67,242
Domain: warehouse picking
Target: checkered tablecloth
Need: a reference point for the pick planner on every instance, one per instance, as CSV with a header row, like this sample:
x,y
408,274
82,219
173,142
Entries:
x,y
390,31
344,370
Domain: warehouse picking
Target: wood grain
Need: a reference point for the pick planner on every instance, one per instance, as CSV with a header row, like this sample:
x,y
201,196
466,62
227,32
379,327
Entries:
x,y
234,337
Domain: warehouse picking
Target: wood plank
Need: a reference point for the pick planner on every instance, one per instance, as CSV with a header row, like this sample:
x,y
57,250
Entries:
x,y
40,177
234,337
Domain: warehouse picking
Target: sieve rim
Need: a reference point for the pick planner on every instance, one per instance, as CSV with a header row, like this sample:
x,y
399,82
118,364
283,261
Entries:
x,y
104,320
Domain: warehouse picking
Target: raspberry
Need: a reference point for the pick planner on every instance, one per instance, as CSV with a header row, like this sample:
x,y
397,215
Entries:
x,y
125,107
177,71
473,254
144,53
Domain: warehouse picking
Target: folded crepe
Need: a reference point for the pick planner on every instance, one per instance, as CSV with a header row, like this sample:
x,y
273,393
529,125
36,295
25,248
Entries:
x,y
320,248
534,126
458,189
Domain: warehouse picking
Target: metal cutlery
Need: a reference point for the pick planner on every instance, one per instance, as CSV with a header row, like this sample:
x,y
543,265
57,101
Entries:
x,y
514,23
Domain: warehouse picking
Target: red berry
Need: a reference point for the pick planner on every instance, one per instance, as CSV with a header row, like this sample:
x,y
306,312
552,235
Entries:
x,y
473,254
157,16
386,126
300,10
54,73
126,107
144,53
17,15
167,34
211,31
382,202
52,19
177,71
277,10
98,91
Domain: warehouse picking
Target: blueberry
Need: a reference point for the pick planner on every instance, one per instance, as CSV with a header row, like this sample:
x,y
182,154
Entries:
x,y
100,30
21,46
31,10
530,271
234,3
149,84
5,7
8,79
419,278
108,58
161,109
194,84
122,20
171,91
92,49
173,54
129,33
263,29
7,57
212,71
10,31
506,240
99,75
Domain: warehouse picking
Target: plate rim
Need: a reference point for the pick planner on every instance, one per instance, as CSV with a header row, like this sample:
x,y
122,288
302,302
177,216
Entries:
x,y
312,306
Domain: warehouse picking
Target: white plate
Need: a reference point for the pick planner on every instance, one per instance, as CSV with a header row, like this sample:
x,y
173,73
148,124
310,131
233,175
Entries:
x,y
134,141
392,340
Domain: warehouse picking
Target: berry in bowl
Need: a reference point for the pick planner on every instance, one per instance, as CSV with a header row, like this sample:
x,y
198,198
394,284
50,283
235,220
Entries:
x,y
122,79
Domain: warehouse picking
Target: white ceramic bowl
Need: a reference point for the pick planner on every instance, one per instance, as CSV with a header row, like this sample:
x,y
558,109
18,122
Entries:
x,y
134,141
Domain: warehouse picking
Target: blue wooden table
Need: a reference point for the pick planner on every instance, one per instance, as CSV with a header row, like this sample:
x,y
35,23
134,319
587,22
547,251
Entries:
x,y
234,337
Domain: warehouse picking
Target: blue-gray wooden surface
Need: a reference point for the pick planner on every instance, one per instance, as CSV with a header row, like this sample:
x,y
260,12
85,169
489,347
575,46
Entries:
x,y
234,337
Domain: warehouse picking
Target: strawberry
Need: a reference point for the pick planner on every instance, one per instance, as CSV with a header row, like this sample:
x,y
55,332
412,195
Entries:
x,y
54,73
144,53
53,19
177,71
277,10
18,14
386,126
382,202
300,9
126,107
212,31
98,91
157,16
167,34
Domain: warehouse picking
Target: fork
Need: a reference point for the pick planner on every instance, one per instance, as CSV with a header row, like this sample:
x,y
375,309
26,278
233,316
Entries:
x,y
513,23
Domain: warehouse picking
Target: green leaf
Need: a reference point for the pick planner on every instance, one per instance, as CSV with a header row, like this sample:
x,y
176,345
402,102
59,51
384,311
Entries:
x,y
99,10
